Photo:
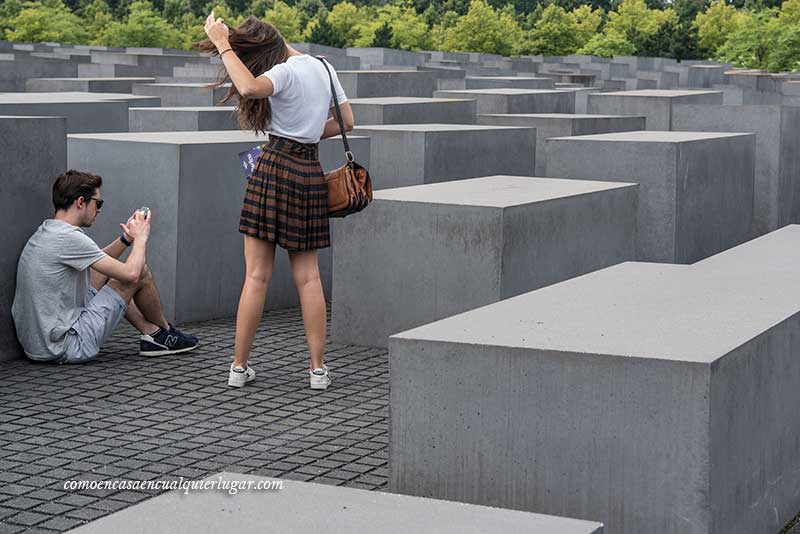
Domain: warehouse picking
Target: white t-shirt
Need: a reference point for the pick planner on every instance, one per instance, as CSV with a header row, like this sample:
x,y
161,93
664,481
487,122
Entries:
x,y
302,98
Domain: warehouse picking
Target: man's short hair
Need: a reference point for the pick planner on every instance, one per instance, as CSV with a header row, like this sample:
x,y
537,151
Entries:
x,y
72,185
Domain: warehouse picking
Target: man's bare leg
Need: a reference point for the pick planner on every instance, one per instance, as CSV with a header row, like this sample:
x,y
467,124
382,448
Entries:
x,y
134,315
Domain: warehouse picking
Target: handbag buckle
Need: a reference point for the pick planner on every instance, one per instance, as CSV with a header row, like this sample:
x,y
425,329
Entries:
x,y
349,156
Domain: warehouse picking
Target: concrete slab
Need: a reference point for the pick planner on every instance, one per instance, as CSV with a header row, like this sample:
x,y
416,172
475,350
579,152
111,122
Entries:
x,y
514,82
382,83
335,509
87,85
176,119
516,100
34,153
440,249
414,154
655,105
777,129
85,112
562,125
639,395
410,110
696,193
183,94
194,185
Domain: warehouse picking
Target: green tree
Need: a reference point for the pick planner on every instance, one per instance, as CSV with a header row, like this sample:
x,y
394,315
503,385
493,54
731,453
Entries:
x,y
383,36
634,20
715,24
174,10
587,22
348,21
555,33
142,27
308,10
608,44
286,19
747,46
320,31
483,29
97,15
9,9
46,21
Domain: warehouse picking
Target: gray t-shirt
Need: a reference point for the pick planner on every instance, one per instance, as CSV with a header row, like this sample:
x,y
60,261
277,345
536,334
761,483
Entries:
x,y
52,287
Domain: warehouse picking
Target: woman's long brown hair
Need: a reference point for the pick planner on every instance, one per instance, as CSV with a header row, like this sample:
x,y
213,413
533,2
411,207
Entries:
x,y
260,46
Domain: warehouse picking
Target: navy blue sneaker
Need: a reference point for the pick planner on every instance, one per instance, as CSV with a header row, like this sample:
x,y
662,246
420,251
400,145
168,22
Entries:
x,y
174,330
164,342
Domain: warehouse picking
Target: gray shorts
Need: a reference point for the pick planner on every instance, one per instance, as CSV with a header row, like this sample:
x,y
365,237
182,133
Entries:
x,y
94,326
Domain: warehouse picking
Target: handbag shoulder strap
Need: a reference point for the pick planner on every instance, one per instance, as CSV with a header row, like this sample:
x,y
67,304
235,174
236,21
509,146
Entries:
x,y
347,153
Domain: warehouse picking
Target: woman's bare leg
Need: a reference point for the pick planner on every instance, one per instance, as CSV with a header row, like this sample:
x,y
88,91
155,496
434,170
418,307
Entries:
x,y
305,271
259,257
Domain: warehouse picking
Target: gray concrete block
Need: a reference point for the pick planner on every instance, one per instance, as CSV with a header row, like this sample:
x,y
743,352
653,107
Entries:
x,y
653,398
34,153
441,249
563,125
183,94
508,82
696,188
386,57
381,83
705,75
14,71
414,154
410,110
85,85
85,112
516,100
777,129
342,509
655,105
183,119
194,184
581,96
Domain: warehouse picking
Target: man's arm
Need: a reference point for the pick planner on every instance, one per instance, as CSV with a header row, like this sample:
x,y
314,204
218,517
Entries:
x,y
115,248
138,227
128,271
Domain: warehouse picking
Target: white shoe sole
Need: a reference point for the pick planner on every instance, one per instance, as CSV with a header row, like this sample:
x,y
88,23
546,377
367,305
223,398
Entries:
x,y
165,352
320,385
236,382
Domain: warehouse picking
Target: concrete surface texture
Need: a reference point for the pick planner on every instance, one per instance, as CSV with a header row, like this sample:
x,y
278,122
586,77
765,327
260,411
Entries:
x,y
515,82
89,85
777,129
411,110
34,153
562,125
290,509
655,105
696,189
194,184
414,154
186,118
648,397
377,83
440,249
516,100
183,94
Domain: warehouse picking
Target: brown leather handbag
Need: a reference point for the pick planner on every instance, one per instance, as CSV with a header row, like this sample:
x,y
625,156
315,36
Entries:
x,y
349,186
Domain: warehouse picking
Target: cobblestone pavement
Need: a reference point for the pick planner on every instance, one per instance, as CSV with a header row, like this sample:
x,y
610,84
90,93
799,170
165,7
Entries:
x,y
135,418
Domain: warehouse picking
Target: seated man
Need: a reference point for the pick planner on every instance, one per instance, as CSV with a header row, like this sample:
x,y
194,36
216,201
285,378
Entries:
x,y
71,295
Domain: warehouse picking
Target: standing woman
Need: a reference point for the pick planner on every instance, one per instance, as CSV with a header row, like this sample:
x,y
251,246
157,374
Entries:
x,y
286,203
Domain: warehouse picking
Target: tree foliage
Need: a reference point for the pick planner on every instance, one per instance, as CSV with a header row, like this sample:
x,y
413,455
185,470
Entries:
x,y
50,20
484,29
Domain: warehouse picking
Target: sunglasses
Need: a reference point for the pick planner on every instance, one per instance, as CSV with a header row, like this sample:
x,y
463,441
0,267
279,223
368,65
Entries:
x,y
99,202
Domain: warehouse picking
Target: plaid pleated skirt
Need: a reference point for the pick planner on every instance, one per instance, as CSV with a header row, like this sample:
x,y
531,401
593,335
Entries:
x,y
286,201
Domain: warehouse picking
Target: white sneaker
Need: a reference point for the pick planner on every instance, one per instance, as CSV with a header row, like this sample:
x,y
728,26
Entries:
x,y
239,376
319,378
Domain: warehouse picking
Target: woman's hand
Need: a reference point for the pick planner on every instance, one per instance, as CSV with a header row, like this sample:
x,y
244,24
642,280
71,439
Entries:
x,y
217,31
